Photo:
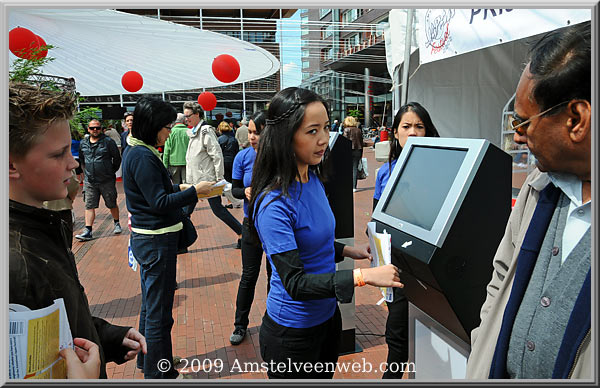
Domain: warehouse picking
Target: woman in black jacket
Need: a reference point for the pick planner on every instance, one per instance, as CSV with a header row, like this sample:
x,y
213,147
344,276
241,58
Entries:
x,y
155,205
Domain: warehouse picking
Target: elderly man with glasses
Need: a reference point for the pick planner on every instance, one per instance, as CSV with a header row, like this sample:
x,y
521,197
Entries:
x,y
536,320
100,159
204,162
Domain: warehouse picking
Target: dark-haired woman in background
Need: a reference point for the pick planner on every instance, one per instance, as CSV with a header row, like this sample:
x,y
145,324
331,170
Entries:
x,y
155,206
252,251
411,120
290,212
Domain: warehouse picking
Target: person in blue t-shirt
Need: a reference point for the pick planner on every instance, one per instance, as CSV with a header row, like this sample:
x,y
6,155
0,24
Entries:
x,y
252,251
290,213
411,120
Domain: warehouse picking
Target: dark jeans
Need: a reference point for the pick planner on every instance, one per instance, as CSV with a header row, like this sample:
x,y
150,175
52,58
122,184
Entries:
x,y
157,255
356,157
319,343
396,333
223,214
252,254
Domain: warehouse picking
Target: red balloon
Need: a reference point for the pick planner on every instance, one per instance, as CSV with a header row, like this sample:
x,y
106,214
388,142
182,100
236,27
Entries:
x,y
226,68
207,100
22,42
41,43
132,81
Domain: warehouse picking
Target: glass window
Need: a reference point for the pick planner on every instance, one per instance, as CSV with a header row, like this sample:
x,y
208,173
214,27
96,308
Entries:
x,y
323,12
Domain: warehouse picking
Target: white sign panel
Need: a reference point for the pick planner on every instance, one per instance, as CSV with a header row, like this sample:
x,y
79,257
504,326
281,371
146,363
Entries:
x,y
444,33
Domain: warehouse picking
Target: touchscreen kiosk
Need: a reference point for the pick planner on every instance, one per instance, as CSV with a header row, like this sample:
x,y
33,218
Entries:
x,y
446,206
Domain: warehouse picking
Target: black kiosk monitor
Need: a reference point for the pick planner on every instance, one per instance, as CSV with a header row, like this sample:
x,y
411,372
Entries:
x,y
446,206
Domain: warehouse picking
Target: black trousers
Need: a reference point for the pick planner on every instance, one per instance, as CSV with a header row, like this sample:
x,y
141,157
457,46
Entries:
x,y
252,254
396,333
223,214
356,157
280,345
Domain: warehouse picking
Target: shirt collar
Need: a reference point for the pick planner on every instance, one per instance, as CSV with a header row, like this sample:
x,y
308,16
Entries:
x,y
195,129
569,184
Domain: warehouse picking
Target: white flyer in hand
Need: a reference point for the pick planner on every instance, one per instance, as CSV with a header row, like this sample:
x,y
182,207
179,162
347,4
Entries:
x,y
35,337
381,249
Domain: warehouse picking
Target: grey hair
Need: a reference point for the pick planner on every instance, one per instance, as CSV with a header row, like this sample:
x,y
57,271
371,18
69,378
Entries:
x,y
180,118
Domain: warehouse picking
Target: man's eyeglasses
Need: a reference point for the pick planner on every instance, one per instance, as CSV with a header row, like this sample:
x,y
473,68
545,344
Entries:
x,y
95,128
520,126
188,116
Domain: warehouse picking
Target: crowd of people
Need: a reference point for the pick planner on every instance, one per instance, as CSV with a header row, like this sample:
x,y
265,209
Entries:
x,y
536,319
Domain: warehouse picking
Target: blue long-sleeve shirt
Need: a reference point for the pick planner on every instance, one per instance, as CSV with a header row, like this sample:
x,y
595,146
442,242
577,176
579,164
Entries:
x,y
153,201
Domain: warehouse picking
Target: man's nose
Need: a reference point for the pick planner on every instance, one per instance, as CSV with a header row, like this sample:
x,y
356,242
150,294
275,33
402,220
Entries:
x,y
520,139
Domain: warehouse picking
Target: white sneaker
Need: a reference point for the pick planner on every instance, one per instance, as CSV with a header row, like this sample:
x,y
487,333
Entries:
x,y
354,190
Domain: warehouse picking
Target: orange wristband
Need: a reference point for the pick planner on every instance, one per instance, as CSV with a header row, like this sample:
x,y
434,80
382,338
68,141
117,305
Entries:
x,y
358,277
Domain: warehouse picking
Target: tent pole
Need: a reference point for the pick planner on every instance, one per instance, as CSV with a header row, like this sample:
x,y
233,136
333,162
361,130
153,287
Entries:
x,y
280,51
407,46
243,113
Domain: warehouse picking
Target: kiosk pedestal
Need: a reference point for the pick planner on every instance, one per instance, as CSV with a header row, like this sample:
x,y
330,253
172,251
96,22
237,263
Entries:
x,y
338,187
434,352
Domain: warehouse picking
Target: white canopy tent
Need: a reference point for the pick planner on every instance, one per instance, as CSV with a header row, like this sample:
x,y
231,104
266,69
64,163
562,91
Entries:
x,y
96,47
466,82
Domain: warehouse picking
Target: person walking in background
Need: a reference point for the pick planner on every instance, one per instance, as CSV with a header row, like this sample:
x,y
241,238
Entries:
x,y
411,120
335,126
241,134
100,160
290,213
113,134
204,162
229,148
75,141
175,150
252,251
41,265
128,121
155,205
352,132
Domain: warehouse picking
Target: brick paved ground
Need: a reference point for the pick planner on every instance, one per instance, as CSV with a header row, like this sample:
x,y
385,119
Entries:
x,y
208,278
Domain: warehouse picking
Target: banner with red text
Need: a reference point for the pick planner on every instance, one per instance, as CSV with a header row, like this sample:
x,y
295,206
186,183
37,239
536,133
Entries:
x,y
443,33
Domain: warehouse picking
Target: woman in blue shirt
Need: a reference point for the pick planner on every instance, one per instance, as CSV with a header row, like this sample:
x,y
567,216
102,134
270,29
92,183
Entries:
x,y
290,213
411,120
156,218
252,251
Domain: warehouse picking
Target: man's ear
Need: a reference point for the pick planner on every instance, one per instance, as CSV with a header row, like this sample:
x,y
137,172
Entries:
x,y
13,170
579,120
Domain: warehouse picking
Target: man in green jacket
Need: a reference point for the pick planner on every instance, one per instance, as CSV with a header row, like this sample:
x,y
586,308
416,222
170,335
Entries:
x,y
175,149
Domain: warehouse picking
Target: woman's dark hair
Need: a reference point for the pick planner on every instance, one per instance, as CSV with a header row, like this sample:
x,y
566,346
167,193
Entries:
x,y
416,108
260,120
560,66
151,115
276,166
